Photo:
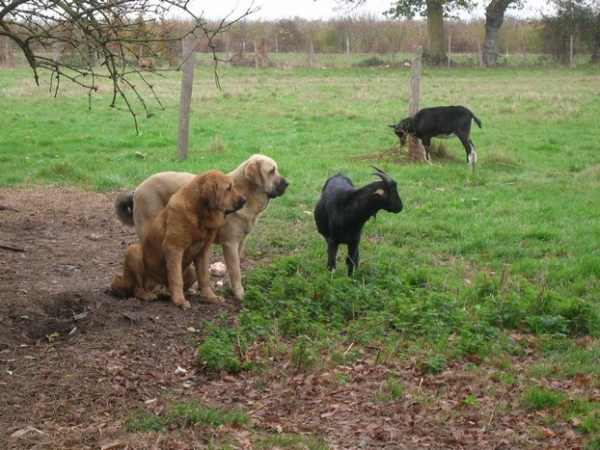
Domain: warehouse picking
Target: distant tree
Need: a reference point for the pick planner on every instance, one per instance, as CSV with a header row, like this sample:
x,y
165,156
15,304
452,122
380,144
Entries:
x,y
434,11
590,29
494,17
289,35
393,38
86,40
577,18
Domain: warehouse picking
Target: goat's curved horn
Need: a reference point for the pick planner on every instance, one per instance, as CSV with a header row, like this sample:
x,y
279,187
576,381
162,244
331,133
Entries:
x,y
384,176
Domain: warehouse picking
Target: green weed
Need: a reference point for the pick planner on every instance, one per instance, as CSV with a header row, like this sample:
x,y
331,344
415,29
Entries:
x,y
291,441
541,398
219,350
390,391
184,415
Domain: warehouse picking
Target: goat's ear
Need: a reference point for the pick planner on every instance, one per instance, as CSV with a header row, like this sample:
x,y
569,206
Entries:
x,y
380,192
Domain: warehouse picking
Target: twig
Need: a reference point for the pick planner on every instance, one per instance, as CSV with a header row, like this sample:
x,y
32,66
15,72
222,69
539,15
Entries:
x,y
130,317
346,352
77,317
494,412
12,248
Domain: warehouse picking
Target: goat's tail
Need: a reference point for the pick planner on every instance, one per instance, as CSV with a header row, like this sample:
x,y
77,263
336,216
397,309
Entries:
x,y
477,121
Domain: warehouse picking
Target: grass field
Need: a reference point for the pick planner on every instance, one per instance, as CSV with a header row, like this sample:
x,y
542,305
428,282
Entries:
x,y
481,266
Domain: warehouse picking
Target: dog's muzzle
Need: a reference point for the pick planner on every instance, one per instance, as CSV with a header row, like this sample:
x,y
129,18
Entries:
x,y
238,205
279,188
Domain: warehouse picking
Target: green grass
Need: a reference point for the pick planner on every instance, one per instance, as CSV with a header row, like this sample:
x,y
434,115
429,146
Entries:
x,y
292,441
539,399
578,410
184,415
473,263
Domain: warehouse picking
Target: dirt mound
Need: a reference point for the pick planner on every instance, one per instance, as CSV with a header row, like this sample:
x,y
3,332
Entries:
x,y
72,354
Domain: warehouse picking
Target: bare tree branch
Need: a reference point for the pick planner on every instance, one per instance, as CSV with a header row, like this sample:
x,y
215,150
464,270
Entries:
x,y
85,41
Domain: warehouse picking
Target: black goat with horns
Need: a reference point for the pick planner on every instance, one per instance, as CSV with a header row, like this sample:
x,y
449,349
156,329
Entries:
x,y
343,210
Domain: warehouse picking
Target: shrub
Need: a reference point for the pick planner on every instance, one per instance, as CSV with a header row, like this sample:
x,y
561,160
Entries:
x,y
373,61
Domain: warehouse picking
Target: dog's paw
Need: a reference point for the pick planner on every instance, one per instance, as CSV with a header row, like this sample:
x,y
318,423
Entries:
x,y
239,293
210,296
182,302
215,299
146,296
186,305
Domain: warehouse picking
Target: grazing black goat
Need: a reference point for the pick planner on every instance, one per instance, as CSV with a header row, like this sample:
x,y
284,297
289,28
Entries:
x,y
441,122
343,210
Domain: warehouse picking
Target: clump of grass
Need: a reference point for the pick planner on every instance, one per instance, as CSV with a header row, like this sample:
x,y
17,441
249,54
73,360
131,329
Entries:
x,y
217,145
59,171
432,364
539,398
184,415
493,158
303,356
438,150
390,391
288,440
219,350
374,61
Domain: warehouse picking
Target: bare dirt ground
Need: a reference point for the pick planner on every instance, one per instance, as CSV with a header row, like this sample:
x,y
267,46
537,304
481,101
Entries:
x,y
76,362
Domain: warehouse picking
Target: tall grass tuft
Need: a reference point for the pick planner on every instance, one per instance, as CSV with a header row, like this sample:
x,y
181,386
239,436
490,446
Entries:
x,y
217,145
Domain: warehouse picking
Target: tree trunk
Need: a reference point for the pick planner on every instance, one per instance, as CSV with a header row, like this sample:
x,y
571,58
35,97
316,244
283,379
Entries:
x,y
185,98
494,16
595,47
435,54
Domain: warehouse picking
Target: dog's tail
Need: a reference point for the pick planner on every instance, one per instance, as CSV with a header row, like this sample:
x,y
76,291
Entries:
x,y
477,121
124,208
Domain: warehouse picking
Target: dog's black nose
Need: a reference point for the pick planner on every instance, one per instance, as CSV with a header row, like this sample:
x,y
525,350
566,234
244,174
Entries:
x,y
283,185
240,203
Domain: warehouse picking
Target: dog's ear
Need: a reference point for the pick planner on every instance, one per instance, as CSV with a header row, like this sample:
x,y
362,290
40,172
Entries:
x,y
252,173
209,195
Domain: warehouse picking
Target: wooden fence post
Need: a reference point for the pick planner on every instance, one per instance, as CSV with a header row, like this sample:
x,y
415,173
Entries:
x,y
449,50
571,64
55,51
188,45
415,79
414,149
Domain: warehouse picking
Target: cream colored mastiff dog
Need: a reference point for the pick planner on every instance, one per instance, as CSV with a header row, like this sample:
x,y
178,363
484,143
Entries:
x,y
257,179
180,235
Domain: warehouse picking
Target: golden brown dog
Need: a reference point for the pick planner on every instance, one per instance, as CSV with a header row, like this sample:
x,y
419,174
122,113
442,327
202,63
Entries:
x,y
257,179
181,234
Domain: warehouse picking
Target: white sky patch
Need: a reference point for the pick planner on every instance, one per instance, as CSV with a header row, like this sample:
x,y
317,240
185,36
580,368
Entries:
x,y
270,10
